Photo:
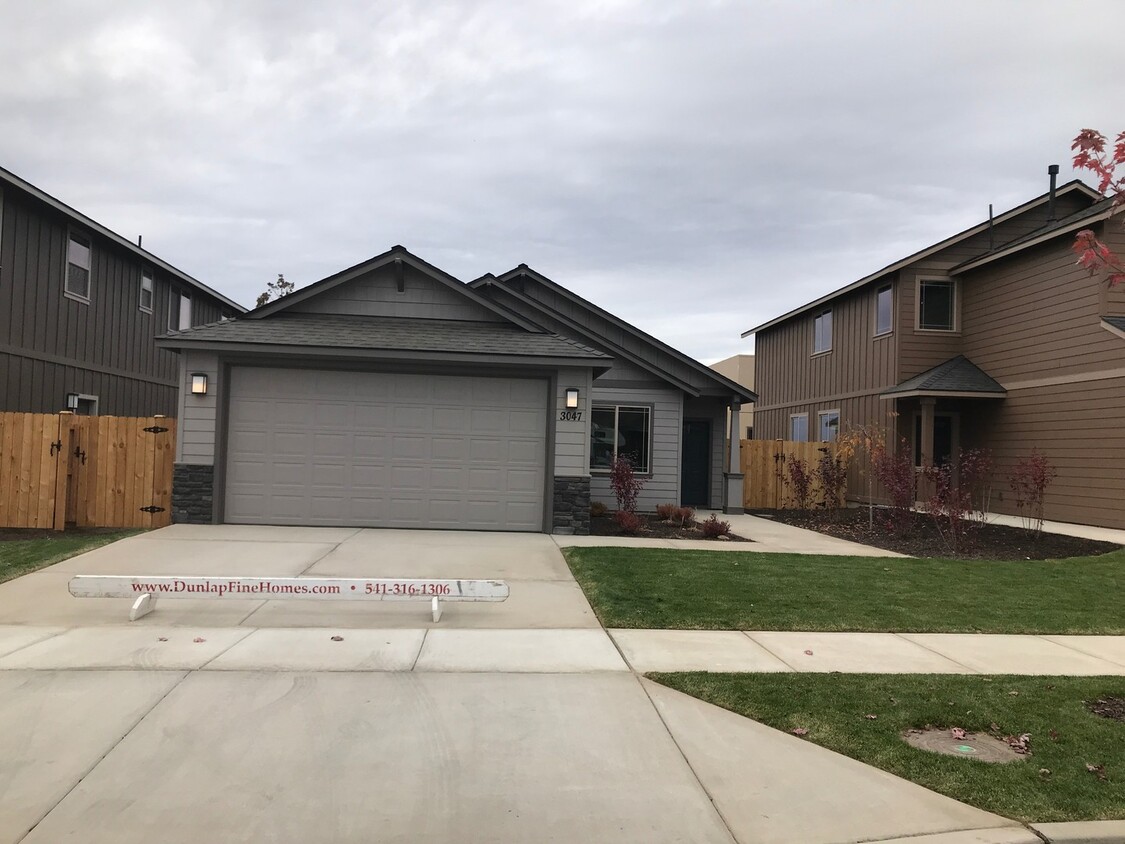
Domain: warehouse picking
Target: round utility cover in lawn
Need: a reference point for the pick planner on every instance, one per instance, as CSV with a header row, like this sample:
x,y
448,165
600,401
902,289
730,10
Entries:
x,y
973,746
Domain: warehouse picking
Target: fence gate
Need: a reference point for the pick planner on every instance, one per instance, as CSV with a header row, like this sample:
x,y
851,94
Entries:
x,y
90,471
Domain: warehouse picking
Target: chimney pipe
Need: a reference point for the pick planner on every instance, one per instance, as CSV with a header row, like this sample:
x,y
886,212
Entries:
x,y
1053,172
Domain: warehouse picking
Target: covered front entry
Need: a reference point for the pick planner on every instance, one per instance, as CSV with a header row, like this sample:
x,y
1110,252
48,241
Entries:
x,y
695,468
385,449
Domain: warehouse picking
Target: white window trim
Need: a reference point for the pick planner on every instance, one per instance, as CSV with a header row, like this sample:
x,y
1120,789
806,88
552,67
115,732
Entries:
x,y
177,297
891,330
821,414
918,281
151,276
831,333
595,405
67,292
793,416
90,398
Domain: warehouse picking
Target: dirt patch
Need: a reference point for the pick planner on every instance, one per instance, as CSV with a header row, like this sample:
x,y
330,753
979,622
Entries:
x,y
980,746
655,528
1108,706
921,538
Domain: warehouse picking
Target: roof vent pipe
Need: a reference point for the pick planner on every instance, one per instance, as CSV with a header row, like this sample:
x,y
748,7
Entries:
x,y
1053,172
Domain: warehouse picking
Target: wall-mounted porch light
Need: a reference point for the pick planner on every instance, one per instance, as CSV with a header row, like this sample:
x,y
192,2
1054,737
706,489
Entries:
x,y
72,402
571,398
198,384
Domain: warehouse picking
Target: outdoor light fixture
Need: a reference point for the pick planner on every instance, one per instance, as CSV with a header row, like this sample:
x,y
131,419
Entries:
x,y
571,398
198,384
72,401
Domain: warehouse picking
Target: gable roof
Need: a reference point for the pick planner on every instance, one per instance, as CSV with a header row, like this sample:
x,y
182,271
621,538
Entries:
x,y
336,332
395,254
957,376
709,374
9,178
1069,187
1102,210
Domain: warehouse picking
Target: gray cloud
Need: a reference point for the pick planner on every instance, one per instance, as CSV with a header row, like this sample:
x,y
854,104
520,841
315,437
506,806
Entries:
x,y
695,167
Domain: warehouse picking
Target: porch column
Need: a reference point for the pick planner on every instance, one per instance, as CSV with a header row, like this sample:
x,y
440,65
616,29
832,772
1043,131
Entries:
x,y
927,446
732,487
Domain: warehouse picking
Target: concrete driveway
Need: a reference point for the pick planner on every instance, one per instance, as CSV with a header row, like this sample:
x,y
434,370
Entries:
x,y
543,592
297,722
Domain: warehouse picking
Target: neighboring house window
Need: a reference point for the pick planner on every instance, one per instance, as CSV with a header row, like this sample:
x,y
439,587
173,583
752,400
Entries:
x,y
884,306
87,405
828,422
179,312
620,431
822,332
146,291
937,305
78,266
799,428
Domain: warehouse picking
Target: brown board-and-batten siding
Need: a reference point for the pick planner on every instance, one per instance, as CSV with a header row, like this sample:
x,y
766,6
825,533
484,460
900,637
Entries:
x,y
52,344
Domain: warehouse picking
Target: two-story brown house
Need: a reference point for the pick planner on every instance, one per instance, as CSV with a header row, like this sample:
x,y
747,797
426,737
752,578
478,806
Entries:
x,y
80,308
991,338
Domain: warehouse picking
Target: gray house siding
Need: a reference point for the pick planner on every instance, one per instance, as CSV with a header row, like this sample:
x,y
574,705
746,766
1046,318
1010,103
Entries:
x,y
52,344
376,294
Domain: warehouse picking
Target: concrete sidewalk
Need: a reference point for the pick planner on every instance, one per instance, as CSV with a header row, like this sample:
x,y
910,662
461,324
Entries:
x,y
869,653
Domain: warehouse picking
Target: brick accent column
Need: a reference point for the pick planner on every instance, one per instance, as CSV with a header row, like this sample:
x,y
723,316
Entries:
x,y
571,511
193,493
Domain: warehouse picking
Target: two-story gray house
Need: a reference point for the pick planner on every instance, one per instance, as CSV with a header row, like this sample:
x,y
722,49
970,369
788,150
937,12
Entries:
x,y
80,308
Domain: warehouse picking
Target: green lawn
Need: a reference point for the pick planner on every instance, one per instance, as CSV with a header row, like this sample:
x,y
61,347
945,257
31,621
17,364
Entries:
x,y
22,556
832,707
728,590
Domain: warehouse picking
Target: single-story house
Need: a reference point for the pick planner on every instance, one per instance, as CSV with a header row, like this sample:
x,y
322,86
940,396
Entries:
x,y
393,395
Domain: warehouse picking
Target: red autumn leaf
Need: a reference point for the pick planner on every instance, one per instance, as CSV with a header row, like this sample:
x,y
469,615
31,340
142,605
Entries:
x,y
199,639
799,731
1053,735
957,733
808,653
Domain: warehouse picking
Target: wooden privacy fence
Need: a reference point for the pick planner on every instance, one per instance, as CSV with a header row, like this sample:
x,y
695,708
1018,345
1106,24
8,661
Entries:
x,y
765,484
90,471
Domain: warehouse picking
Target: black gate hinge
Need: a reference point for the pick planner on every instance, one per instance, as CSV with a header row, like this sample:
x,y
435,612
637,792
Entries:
x,y
152,508
155,429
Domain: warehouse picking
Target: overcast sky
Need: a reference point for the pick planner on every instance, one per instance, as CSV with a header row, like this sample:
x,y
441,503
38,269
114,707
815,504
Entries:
x,y
694,167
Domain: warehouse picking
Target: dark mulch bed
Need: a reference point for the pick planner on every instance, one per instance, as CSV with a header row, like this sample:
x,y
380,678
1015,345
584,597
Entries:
x,y
655,529
1108,707
922,539
22,534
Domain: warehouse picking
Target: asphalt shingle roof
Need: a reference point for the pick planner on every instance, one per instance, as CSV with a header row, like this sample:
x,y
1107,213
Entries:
x,y
387,333
1117,322
956,375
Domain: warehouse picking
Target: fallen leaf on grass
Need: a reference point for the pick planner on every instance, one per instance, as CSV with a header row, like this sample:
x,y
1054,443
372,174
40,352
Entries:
x,y
1099,770
957,733
799,731
994,727
1053,735
1050,687
1020,744
1013,693
870,717
337,638
198,639
1044,772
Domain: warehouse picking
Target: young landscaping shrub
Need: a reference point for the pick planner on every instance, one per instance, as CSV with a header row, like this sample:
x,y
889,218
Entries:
x,y
713,528
629,521
798,480
625,483
685,516
894,469
956,494
1029,481
598,509
832,474
666,512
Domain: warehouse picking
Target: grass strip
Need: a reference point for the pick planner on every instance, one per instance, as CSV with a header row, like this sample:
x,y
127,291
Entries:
x,y
1051,784
728,590
23,556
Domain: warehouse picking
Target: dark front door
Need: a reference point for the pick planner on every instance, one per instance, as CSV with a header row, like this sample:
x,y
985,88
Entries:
x,y
695,463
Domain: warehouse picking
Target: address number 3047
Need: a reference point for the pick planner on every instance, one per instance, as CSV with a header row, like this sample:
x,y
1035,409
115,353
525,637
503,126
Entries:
x,y
570,415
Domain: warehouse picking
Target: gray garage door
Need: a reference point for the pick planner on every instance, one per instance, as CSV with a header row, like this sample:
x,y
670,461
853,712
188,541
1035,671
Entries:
x,y
312,447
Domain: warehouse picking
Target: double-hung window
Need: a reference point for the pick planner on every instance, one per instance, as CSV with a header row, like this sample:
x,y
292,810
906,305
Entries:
x,y
620,431
799,428
77,283
937,304
884,310
179,311
146,291
828,421
822,332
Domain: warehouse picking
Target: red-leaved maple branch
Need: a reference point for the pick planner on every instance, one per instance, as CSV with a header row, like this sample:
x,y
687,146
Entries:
x,y
1090,154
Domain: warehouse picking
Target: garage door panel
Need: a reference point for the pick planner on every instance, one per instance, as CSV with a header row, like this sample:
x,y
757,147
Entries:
x,y
385,450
